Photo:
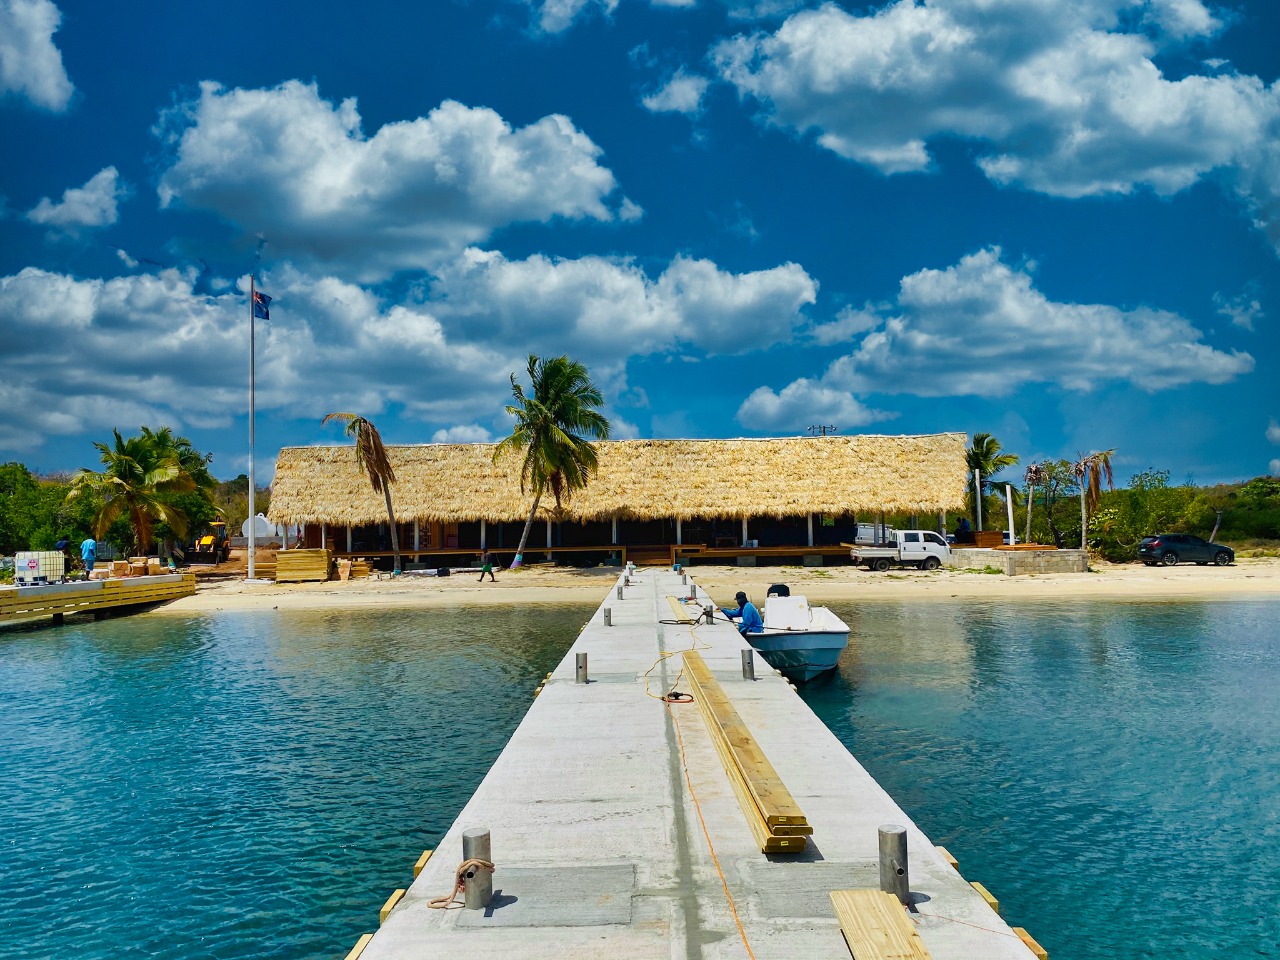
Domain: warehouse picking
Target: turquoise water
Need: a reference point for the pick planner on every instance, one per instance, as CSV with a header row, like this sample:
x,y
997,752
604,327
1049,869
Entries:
x,y
1111,772
253,785
244,785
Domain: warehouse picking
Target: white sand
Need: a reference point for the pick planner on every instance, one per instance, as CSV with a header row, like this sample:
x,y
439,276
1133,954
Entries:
x,y
545,584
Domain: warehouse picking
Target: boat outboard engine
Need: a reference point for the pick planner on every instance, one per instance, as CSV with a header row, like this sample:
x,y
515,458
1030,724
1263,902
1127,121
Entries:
x,y
778,590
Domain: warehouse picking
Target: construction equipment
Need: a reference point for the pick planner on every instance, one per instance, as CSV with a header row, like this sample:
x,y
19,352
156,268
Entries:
x,y
213,546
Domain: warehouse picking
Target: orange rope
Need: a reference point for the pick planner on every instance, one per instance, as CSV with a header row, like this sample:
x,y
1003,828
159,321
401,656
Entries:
x,y
710,846
459,883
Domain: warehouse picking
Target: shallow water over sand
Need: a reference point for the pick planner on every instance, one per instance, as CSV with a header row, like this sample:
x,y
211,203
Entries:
x,y
254,784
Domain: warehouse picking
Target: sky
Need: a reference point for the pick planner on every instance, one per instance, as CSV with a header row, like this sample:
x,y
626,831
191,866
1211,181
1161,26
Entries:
x,y
1056,221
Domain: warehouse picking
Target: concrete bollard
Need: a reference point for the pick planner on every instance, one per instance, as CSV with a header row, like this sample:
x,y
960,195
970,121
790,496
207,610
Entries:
x,y
580,673
479,886
748,664
893,862
608,616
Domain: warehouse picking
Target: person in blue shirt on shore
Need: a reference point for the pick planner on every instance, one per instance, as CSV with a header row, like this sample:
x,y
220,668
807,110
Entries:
x,y
751,621
89,553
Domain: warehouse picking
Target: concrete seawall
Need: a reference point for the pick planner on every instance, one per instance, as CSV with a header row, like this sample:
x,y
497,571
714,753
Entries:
x,y
604,847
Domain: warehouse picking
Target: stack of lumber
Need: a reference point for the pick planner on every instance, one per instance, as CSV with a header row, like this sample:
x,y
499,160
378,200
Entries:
x,y
876,927
360,568
294,566
774,817
264,569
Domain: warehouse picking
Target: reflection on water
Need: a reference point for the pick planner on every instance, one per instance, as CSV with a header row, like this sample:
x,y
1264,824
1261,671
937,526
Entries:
x,y
1110,771
245,784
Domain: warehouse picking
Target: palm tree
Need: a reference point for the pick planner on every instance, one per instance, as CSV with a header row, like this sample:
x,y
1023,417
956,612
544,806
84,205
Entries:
x,y
139,474
1090,471
984,456
371,458
550,424
1034,477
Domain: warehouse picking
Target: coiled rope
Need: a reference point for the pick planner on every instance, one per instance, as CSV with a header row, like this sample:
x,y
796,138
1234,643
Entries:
x,y
466,870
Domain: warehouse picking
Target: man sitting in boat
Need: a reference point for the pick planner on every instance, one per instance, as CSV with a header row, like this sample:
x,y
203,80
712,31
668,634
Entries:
x,y
751,620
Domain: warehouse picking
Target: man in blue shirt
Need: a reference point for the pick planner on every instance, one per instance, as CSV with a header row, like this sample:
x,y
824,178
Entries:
x,y
88,553
751,621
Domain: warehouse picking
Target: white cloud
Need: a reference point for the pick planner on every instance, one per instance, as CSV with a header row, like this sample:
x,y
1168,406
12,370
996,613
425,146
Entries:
x,y
849,322
137,349
1056,96
802,403
93,205
1274,468
297,167
682,93
1241,310
980,327
1273,431
603,309
463,433
30,64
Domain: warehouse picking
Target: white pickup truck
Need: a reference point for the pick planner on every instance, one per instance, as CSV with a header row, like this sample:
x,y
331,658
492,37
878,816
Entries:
x,y
909,548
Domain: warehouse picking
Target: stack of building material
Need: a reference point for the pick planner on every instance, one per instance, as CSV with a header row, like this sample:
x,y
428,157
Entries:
x,y
302,565
774,817
360,568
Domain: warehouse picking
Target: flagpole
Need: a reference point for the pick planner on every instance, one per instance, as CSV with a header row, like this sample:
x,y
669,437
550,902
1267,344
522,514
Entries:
x,y
253,526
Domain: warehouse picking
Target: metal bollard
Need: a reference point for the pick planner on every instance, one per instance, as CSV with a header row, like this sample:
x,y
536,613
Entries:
x,y
580,673
608,616
478,890
710,613
893,862
748,664
619,591
684,578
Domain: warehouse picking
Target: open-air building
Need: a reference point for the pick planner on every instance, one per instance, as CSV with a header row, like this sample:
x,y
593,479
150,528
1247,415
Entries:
x,y
650,501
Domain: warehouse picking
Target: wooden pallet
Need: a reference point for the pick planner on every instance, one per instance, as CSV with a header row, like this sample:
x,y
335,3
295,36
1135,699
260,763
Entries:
x,y
876,927
293,566
773,816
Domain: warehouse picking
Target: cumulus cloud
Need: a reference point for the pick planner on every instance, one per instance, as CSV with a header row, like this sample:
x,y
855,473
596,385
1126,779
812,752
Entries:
x,y
556,16
30,64
136,349
682,93
804,402
299,168
1273,431
463,433
1241,309
1060,98
601,308
1274,468
93,205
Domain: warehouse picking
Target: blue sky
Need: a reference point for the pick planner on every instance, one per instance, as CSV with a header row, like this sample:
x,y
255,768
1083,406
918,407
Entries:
x,y
1058,222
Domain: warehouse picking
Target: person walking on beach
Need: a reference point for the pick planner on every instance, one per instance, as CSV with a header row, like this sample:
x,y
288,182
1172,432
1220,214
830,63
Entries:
x,y
88,553
751,620
486,566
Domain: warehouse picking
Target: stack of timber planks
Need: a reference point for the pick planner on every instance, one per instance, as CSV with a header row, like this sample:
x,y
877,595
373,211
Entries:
x,y
360,568
295,566
774,817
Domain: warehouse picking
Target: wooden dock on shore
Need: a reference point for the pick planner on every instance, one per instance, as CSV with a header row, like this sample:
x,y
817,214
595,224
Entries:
x,y
630,821
99,597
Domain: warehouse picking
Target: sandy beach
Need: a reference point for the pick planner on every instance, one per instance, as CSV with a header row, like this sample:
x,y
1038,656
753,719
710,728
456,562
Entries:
x,y
1247,578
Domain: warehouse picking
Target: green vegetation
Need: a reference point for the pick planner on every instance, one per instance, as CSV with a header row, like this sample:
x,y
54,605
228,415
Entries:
x,y
372,459
984,456
551,426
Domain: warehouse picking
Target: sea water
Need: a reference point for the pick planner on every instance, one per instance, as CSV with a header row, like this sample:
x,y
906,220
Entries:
x,y
245,785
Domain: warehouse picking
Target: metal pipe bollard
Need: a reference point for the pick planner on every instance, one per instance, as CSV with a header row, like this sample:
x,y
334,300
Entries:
x,y
619,591
608,616
684,579
478,890
893,862
580,672
710,613
748,664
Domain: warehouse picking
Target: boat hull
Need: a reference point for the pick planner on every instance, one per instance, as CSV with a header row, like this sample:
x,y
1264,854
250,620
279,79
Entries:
x,y
800,655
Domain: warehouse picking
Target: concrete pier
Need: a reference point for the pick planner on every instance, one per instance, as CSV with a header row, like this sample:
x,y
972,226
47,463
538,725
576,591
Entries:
x,y
598,834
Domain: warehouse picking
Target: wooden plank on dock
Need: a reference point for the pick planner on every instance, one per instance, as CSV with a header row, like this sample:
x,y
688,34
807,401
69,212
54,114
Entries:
x,y
680,611
986,895
951,861
1031,944
876,927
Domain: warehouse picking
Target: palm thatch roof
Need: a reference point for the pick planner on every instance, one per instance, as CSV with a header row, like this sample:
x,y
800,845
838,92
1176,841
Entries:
x,y
638,479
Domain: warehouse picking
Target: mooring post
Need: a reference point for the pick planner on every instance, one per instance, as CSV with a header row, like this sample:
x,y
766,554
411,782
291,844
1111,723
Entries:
x,y
893,862
478,890
619,591
608,616
684,578
748,664
710,613
580,673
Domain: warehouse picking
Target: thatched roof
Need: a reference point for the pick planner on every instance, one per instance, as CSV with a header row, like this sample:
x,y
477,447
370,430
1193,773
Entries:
x,y
641,479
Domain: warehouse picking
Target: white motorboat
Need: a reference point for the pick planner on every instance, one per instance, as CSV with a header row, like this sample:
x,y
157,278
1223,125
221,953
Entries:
x,y
799,640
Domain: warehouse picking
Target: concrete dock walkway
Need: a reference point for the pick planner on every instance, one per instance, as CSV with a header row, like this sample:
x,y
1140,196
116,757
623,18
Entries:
x,y
599,845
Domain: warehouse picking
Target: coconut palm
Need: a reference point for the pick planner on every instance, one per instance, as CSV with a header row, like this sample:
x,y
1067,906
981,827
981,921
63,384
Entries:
x,y
1091,470
1034,477
551,426
139,475
984,456
372,459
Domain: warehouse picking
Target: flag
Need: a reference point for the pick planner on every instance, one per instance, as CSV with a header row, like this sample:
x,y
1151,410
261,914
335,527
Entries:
x,y
260,304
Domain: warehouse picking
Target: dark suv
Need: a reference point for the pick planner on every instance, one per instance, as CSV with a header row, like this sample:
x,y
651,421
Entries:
x,y
1171,548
